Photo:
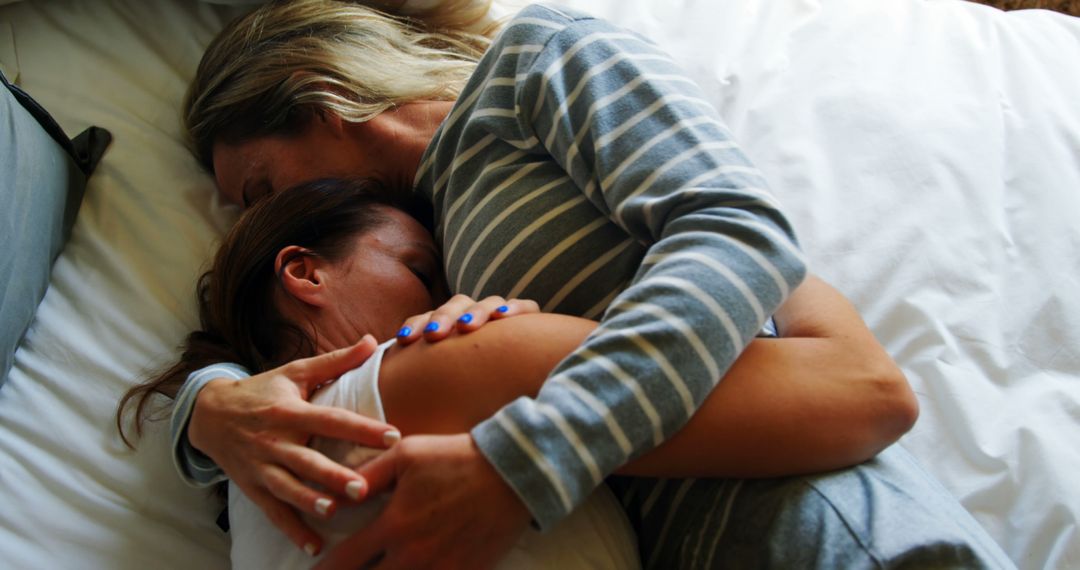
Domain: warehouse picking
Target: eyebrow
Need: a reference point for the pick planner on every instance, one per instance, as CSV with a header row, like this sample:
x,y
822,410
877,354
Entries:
x,y
430,248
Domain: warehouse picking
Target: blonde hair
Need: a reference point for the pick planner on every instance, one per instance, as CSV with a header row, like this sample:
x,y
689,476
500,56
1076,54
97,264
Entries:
x,y
269,71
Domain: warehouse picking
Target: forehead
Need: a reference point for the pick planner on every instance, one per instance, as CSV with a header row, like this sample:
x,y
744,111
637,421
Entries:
x,y
401,227
235,163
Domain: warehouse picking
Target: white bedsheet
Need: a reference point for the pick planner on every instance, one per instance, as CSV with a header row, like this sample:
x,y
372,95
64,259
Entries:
x,y
928,152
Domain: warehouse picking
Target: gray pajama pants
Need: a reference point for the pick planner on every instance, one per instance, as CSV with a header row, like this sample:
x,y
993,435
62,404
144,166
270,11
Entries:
x,y
885,513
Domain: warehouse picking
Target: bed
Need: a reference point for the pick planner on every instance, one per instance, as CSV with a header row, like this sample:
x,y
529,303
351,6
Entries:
x,y
928,153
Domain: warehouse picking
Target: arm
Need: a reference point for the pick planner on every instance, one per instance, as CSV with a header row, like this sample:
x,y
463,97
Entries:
x,y
647,151
256,430
652,156
825,396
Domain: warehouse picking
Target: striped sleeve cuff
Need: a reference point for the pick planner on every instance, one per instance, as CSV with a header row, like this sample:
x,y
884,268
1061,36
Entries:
x,y
193,466
548,492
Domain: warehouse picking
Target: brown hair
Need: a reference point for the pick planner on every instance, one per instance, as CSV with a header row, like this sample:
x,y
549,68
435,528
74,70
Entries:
x,y
267,72
238,318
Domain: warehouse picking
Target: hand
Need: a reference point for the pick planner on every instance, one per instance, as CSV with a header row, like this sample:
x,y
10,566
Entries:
x,y
257,429
462,314
449,509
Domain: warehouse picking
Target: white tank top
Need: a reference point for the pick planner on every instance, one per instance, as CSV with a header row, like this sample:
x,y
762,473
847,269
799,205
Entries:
x,y
596,535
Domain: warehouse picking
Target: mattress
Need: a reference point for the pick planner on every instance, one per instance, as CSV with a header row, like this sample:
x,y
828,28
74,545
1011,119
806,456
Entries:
x,y
928,153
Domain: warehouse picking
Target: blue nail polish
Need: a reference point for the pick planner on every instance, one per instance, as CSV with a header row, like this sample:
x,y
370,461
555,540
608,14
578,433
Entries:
x,y
405,331
465,319
503,309
431,327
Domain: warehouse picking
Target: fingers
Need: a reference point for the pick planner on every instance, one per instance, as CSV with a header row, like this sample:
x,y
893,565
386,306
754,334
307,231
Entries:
x,y
413,329
494,308
310,465
381,472
286,488
478,314
339,423
306,464
436,325
442,320
515,307
316,370
462,314
287,521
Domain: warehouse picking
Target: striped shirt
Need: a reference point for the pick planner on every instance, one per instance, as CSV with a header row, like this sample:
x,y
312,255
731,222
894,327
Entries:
x,y
581,168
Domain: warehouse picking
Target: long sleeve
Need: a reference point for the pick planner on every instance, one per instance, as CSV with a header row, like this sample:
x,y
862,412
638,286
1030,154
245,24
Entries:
x,y
653,158
194,467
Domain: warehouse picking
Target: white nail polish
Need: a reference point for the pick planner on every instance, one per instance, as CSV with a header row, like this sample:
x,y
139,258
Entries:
x,y
391,437
322,505
354,488
310,549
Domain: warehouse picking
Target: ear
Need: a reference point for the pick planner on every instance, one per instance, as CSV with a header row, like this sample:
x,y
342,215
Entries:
x,y
302,275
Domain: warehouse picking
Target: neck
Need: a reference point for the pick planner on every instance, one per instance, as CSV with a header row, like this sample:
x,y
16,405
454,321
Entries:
x,y
400,136
331,333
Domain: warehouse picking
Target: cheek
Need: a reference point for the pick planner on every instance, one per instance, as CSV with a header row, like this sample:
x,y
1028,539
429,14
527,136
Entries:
x,y
418,299
229,191
413,296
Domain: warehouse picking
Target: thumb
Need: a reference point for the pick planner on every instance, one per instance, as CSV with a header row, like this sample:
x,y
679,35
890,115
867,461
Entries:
x,y
380,473
316,370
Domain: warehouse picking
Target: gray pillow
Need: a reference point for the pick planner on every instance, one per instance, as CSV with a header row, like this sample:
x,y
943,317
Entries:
x,y
42,179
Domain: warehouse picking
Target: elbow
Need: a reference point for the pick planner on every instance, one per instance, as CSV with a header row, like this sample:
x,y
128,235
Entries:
x,y
904,406
896,408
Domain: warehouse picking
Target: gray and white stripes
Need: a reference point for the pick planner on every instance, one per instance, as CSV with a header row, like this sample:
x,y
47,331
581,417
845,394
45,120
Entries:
x,y
579,168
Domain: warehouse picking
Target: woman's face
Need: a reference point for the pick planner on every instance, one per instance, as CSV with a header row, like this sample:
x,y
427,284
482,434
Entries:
x,y
386,148
392,272
255,168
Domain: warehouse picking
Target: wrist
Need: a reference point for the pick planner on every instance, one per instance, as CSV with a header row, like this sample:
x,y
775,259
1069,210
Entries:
x,y
206,401
500,486
514,507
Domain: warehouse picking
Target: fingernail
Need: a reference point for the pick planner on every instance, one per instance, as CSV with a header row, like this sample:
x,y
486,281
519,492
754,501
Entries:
x,y
431,327
465,319
311,549
322,505
404,332
503,309
391,437
355,489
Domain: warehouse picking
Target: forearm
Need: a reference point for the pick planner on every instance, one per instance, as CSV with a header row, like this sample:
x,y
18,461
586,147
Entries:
x,y
788,406
824,400
824,396
640,143
193,466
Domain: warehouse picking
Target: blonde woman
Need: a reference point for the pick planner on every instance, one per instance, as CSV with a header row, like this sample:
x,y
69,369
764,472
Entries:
x,y
568,162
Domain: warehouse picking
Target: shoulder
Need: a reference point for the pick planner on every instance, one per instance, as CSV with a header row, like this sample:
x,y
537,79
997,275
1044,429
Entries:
x,y
357,389
545,16
538,23
546,35
498,342
461,380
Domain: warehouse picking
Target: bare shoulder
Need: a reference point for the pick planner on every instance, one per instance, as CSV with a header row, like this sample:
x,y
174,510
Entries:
x,y
523,335
448,386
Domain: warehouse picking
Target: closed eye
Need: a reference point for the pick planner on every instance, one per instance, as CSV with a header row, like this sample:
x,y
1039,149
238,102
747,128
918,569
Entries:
x,y
424,278
255,192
